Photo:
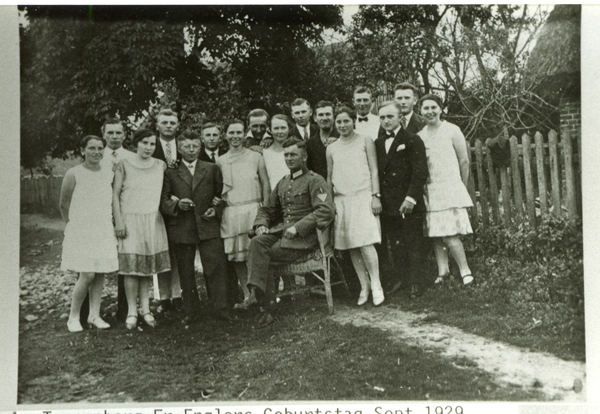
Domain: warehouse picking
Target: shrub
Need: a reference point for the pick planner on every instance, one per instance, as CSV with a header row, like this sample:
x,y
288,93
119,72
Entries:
x,y
551,258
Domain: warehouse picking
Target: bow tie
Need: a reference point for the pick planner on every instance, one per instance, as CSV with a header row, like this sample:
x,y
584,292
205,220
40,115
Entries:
x,y
390,135
363,119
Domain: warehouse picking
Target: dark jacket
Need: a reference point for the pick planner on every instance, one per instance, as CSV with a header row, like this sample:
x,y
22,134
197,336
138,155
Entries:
x,y
417,123
316,151
314,130
159,153
402,171
190,226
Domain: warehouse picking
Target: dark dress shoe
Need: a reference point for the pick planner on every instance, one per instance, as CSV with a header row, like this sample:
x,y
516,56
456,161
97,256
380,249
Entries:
x,y
166,305
177,304
415,292
225,315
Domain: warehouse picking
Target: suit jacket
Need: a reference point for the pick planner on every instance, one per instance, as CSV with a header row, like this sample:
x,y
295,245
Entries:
x,y
402,171
160,153
204,156
416,123
304,202
314,130
189,226
316,151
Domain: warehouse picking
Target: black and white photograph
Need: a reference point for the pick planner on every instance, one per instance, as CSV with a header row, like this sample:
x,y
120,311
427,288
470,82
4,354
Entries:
x,y
373,203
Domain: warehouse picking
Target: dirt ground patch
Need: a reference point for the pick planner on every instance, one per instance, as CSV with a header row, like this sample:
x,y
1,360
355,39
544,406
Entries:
x,y
358,354
509,365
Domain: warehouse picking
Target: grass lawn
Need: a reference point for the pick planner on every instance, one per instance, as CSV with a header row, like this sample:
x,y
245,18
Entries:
x,y
302,356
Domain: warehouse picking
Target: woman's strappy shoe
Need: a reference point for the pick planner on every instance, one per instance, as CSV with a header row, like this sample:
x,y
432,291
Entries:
x,y
149,319
131,322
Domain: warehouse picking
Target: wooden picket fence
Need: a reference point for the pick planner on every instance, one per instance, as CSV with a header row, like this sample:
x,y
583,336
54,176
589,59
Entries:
x,y
543,177
41,193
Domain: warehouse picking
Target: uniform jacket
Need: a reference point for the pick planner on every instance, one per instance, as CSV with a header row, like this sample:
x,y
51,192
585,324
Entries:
x,y
402,171
189,226
304,202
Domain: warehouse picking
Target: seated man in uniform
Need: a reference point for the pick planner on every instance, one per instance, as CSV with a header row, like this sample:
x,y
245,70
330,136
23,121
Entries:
x,y
286,228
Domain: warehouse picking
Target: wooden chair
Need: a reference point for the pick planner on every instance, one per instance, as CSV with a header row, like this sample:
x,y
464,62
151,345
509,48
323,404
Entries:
x,y
313,261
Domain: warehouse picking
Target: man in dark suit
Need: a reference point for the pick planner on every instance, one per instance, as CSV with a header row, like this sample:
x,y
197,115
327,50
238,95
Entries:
x,y
317,144
286,227
192,220
167,123
301,113
407,97
403,172
166,144
211,143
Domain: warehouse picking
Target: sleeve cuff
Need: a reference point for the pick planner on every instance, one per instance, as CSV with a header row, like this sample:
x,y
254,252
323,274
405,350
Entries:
x,y
411,200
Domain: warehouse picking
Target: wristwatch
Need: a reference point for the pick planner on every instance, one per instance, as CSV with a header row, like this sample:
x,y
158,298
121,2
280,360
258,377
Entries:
x,y
378,195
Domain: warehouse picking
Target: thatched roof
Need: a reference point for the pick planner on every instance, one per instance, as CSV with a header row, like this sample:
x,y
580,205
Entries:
x,y
557,50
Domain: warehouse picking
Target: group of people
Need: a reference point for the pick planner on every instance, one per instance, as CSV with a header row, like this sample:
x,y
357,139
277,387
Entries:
x,y
392,178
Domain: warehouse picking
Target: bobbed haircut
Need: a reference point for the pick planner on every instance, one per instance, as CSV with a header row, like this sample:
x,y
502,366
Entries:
x,y
431,97
84,141
140,134
283,117
404,86
112,121
188,134
344,109
233,122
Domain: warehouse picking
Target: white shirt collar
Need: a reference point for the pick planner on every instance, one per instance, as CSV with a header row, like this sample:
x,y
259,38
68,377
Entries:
x,y
408,117
210,152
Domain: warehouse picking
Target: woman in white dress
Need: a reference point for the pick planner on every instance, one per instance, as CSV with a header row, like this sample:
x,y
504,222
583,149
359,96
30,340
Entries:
x,y
353,175
273,156
143,245
446,197
245,188
90,245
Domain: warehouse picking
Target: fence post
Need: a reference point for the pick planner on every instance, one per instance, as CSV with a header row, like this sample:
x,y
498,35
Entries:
x,y
541,172
505,195
530,205
471,190
516,173
554,174
483,197
493,187
569,176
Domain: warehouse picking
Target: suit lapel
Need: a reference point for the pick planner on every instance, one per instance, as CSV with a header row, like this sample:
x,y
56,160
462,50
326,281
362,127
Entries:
x,y
399,139
199,174
185,174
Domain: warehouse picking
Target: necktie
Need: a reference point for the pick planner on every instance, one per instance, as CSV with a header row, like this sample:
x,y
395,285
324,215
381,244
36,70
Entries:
x,y
168,153
212,156
115,157
191,168
403,121
363,119
306,133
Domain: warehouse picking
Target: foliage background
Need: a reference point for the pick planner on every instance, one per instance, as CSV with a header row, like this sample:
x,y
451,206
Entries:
x,y
82,64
